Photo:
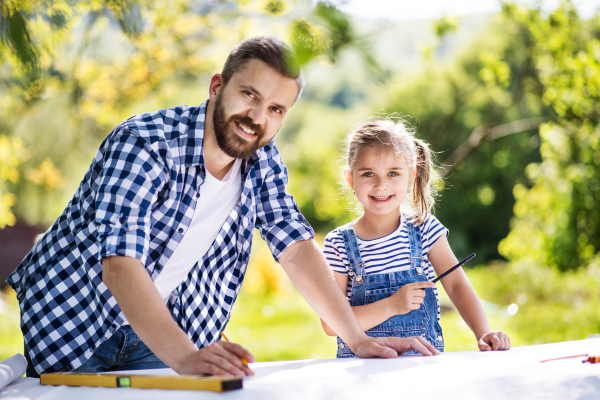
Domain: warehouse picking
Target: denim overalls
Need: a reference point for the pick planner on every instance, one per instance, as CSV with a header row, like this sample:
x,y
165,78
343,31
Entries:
x,y
367,289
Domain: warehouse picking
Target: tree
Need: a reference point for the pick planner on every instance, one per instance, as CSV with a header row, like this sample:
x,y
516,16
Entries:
x,y
557,220
71,71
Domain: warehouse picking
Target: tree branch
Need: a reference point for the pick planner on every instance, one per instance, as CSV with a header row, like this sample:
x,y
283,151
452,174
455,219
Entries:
x,y
481,134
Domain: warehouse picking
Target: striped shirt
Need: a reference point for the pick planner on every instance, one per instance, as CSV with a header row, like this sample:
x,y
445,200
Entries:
x,y
390,253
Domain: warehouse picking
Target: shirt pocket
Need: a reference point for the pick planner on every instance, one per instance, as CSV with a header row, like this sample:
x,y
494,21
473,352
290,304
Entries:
x,y
415,321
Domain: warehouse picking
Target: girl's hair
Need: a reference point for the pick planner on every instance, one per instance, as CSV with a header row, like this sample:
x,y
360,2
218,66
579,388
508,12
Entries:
x,y
397,136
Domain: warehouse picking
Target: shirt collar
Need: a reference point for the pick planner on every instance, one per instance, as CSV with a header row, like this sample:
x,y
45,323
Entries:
x,y
192,142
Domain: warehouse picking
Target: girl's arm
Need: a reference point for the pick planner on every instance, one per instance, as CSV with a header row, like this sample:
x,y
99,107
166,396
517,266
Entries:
x,y
463,296
409,297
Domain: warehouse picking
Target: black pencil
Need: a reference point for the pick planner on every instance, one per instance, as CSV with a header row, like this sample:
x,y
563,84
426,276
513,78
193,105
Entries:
x,y
453,268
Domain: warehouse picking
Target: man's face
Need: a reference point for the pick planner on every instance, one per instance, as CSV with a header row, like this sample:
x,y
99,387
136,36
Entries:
x,y
249,110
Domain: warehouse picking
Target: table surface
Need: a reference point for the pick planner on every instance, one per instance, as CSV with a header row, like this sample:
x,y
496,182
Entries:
x,y
514,374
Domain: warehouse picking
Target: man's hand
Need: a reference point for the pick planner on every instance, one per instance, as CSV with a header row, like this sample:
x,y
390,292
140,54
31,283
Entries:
x,y
409,297
220,358
390,347
496,340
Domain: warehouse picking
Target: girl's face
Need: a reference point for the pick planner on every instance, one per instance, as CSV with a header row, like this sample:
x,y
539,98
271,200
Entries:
x,y
381,179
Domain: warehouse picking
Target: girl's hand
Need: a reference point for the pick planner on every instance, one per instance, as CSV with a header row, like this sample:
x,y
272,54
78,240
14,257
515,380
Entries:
x,y
409,297
496,340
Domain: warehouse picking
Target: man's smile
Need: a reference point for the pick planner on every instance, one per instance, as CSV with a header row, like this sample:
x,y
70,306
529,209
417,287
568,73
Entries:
x,y
245,131
245,128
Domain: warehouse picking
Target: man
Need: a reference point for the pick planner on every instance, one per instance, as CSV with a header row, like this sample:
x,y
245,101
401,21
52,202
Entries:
x,y
144,265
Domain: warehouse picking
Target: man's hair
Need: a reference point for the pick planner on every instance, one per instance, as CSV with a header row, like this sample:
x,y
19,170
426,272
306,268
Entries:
x,y
272,52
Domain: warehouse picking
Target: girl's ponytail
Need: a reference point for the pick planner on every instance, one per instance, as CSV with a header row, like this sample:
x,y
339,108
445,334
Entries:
x,y
423,191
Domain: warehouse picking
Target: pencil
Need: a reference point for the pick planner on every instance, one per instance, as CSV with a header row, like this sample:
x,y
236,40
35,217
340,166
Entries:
x,y
227,340
453,268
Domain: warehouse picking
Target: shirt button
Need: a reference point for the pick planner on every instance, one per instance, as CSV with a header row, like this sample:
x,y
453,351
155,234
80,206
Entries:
x,y
180,230
122,220
197,194
342,346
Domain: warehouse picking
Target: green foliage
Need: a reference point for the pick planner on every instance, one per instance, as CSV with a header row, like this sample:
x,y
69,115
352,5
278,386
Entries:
x,y
557,222
445,25
12,154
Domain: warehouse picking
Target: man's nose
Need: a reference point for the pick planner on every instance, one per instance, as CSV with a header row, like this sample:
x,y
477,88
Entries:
x,y
258,115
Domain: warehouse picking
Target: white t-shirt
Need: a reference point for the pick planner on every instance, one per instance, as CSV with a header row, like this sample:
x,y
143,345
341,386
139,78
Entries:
x,y
217,200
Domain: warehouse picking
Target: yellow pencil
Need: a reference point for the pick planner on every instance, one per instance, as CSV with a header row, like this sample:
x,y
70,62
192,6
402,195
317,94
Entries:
x,y
241,358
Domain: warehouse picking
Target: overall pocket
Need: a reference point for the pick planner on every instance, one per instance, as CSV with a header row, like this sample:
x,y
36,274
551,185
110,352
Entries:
x,y
414,323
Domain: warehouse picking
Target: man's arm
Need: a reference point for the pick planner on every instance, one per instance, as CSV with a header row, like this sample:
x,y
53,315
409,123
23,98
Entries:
x,y
306,266
151,320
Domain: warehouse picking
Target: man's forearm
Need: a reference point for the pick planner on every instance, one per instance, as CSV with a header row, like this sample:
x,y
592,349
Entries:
x,y
307,267
145,310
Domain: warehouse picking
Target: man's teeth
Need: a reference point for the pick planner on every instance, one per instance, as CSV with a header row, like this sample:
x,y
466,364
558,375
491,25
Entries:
x,y
246,129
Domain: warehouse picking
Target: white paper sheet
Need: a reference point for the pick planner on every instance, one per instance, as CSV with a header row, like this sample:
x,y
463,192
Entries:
x,y
517,374
11,369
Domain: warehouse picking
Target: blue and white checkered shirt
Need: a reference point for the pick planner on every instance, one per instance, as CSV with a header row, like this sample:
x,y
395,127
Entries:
x,y
137,200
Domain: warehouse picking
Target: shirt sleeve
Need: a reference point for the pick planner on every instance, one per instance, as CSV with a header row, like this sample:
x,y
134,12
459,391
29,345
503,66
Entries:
x,y
277,215
431,230
333,254
129,183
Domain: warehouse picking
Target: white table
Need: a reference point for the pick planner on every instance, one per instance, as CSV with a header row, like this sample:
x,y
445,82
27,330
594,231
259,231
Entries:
x,y
514,374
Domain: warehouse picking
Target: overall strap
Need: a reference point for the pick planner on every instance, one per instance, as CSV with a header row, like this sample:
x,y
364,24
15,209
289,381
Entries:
x,y
416,248
356,265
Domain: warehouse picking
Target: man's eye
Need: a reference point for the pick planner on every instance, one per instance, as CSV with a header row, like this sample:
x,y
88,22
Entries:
x,y
249,94
276,110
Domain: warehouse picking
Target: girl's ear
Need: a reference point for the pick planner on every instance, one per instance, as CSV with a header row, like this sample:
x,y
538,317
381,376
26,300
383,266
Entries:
x,y
349,179
413,175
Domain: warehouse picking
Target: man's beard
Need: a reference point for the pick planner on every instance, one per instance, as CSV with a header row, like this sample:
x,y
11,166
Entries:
x,y
228,140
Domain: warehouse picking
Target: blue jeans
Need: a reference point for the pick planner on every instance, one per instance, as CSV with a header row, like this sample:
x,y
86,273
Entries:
x,y
122,352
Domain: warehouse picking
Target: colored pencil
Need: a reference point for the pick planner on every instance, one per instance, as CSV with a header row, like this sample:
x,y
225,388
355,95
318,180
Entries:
x,y
460,264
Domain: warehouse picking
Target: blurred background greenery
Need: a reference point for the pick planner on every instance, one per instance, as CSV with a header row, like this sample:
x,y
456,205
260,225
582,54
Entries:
x,y
509,102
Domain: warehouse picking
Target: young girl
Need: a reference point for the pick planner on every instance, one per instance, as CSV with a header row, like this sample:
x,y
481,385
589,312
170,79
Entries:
x,y
383,260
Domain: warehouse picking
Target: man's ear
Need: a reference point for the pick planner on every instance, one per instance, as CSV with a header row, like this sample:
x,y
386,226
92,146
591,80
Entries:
x,y
349,179
216,84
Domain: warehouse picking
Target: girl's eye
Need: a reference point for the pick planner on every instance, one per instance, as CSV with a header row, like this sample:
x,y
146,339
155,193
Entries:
x,y
392,173
368,174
